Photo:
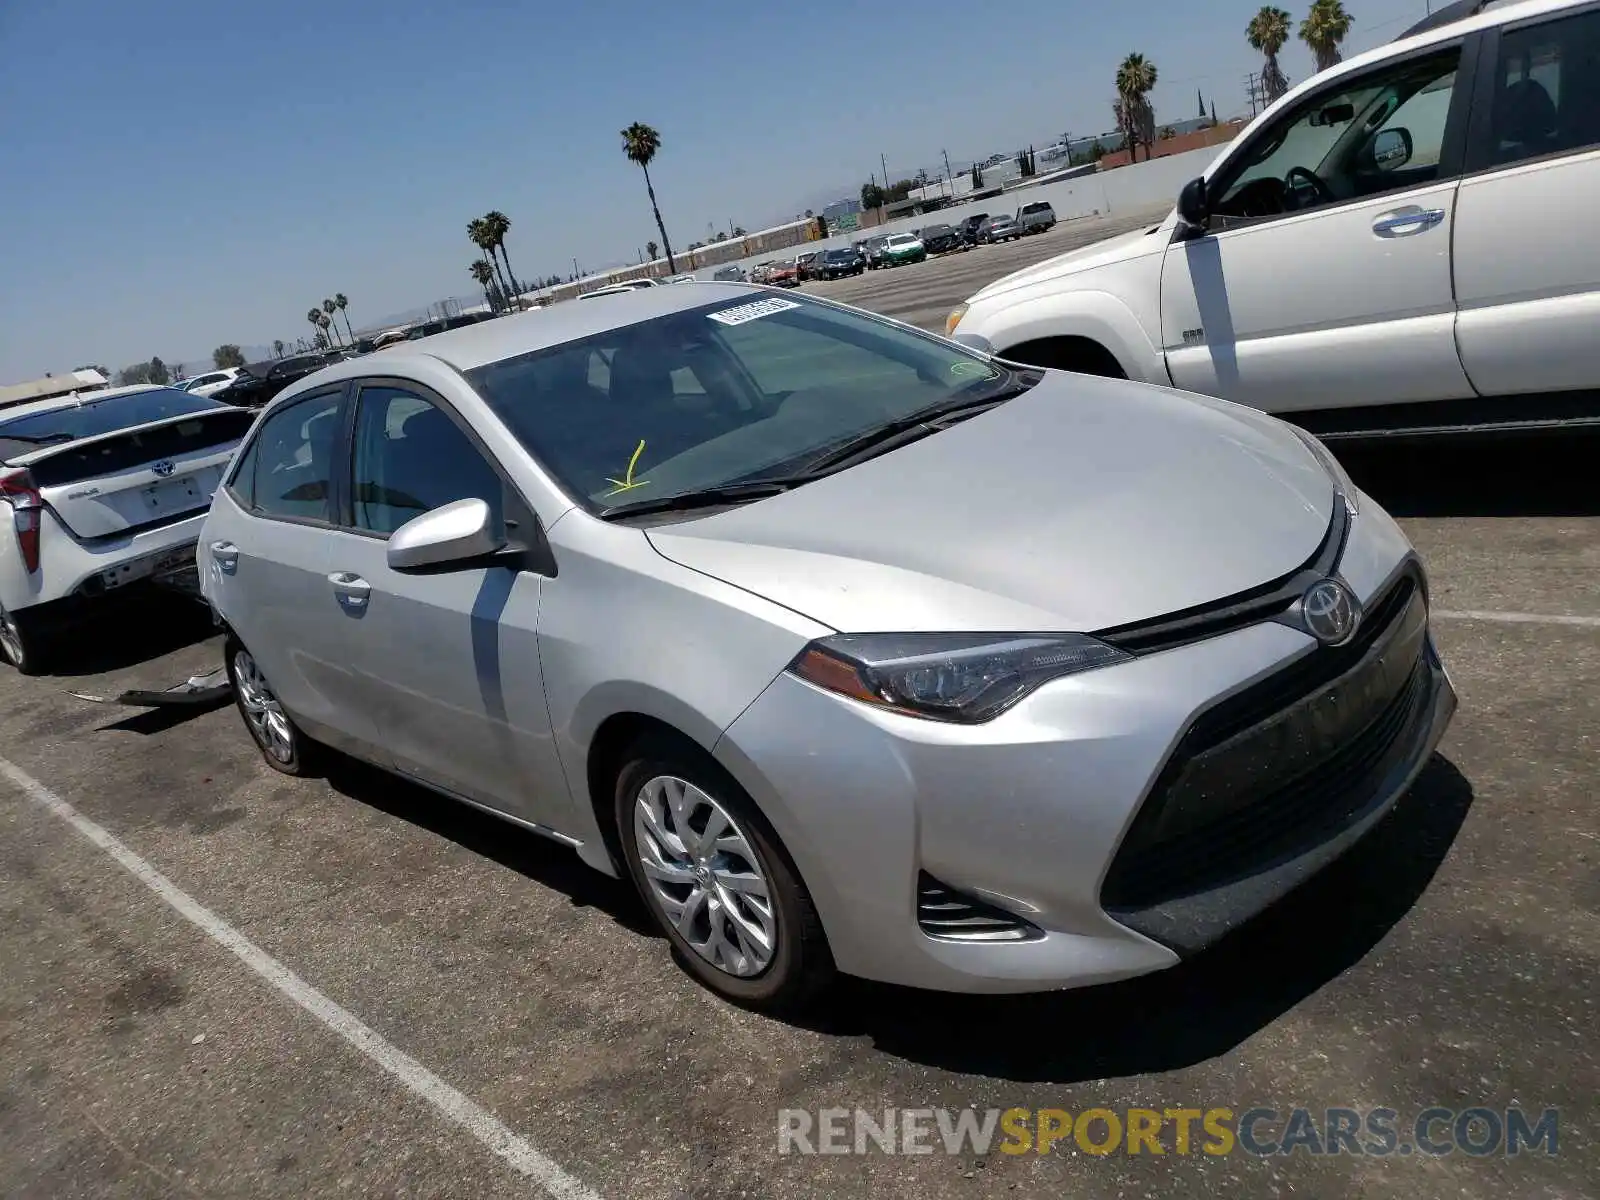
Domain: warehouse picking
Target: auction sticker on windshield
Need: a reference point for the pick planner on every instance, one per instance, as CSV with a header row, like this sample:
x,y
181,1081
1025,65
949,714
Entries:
x,y
740,313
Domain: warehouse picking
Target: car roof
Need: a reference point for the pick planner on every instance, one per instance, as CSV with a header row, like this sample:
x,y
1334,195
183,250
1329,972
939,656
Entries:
x,y
473,346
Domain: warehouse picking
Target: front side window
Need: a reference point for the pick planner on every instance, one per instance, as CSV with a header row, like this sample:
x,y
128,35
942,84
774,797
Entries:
x,y
1380,132
291,461
409,458
1547,90
721,393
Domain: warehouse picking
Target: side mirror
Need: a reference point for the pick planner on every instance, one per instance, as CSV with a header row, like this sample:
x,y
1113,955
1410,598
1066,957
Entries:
x,y
1391,149
1192,204
452,533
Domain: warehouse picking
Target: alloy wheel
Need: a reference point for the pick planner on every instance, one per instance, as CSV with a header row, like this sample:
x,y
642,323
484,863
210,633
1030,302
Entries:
x,y
11,639
704,877
268,722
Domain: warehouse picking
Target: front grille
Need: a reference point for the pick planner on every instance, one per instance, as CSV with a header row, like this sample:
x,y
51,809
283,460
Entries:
x,y
1282,765
945,913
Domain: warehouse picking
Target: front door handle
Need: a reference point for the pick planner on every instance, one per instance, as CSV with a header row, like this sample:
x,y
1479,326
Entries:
x,y
1403,222
350,588
225,555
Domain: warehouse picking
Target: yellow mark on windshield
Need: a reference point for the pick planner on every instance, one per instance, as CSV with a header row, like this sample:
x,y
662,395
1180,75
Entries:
x,y
628,482
962,367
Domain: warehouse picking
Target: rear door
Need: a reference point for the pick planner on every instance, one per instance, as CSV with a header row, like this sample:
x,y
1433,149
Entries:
x,y
1527,260
265,564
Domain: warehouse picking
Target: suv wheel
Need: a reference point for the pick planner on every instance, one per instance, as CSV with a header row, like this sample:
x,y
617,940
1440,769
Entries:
x,y
717,880
21,644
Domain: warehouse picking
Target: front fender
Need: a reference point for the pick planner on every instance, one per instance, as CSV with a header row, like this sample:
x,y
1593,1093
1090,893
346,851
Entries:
x,y
1097,315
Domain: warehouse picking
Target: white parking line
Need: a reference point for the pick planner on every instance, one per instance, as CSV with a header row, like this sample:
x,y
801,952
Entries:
x,y
444,1099
1514,618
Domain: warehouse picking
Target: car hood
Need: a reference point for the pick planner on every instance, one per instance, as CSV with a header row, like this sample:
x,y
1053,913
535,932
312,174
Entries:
x,y
1114,249
1082,505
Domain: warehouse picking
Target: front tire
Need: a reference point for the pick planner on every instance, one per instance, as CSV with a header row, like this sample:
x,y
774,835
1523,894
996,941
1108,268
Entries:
x,y
717,880
280,741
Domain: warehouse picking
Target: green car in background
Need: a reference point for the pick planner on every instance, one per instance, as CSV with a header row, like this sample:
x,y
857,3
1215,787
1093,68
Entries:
x,y
900,248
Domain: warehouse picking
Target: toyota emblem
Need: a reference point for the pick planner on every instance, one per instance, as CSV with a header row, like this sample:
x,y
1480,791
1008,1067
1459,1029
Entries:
x,y
1330,612
163,468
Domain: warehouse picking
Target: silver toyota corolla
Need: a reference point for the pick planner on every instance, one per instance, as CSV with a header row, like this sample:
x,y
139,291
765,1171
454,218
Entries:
x,y
851,648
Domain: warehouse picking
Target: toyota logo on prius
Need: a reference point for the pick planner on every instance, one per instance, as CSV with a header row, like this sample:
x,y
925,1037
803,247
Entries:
x,y
1330,612
163,468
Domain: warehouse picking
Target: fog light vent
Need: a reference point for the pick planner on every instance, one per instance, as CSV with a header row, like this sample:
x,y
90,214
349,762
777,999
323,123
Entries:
x,y
949,915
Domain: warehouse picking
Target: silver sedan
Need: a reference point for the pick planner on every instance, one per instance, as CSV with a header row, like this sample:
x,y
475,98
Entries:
x,y
852,649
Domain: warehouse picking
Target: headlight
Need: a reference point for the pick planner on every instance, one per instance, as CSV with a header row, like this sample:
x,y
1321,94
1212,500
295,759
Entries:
x,y
1341,478
962,677
954,319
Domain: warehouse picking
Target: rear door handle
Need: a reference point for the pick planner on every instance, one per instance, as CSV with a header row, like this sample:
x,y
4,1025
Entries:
x,y
1403,222
350,588
225,555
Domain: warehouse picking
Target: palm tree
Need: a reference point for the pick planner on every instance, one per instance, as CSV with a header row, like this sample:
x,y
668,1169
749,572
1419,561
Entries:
x,y
640,144
342,302
499,226
1267,32
328,309
480,271
315,316
482,236
277,347
1323,29
1135,77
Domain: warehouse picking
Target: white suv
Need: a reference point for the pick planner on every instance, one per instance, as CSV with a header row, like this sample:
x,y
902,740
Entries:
x,y
1412,226
102,490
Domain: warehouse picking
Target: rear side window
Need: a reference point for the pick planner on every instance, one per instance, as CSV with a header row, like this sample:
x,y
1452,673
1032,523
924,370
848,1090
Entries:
x,y
291,461
1547,89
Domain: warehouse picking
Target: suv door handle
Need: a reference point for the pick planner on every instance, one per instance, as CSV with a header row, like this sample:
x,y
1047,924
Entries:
x,y
225,555
1403,222
350,588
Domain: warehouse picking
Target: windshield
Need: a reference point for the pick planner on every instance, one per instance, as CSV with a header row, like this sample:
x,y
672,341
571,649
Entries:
x,y
1033,208
935,230
95,417
841,254
900,239
720,393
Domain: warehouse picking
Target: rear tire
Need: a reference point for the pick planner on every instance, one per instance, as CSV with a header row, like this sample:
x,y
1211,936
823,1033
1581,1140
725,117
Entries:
x,y
22,644
734,908
279,739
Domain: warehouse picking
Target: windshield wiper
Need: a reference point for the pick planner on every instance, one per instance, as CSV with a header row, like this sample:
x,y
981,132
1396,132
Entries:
x,y
711,497
45,439
909,428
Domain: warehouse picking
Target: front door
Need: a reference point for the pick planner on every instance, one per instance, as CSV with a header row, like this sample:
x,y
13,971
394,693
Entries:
x,y
1323,279
448,659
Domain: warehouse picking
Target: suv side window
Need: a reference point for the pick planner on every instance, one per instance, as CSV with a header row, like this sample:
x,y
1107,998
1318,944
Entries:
x,y
1547,90
409,457
1378,132
287,469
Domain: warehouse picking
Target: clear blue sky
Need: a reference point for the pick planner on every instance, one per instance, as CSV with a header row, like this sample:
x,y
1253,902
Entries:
x,y
181,174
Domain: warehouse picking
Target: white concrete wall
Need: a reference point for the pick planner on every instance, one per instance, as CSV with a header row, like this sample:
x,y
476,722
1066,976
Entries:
x,y
1138,186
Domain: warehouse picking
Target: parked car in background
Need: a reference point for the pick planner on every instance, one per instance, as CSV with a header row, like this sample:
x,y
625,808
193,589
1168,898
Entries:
x,y
836,264
938,239
388,337
732,273
1367,255
783,273
100,491
988,772
1000,228
969,226
872,251
259,382
1036,217
209,383
900,248
681,279
805,265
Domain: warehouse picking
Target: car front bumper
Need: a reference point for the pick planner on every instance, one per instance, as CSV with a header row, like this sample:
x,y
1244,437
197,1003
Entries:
x,y
1088,818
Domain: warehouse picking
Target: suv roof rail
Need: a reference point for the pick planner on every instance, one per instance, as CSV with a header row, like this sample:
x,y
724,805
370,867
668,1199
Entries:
x,y
1448,15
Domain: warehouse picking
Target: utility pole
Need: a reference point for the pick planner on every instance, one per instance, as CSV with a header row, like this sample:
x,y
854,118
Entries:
x,y
1255,91
883,162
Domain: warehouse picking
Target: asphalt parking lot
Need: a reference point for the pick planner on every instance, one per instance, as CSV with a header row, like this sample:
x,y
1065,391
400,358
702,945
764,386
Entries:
x,y
473,1013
